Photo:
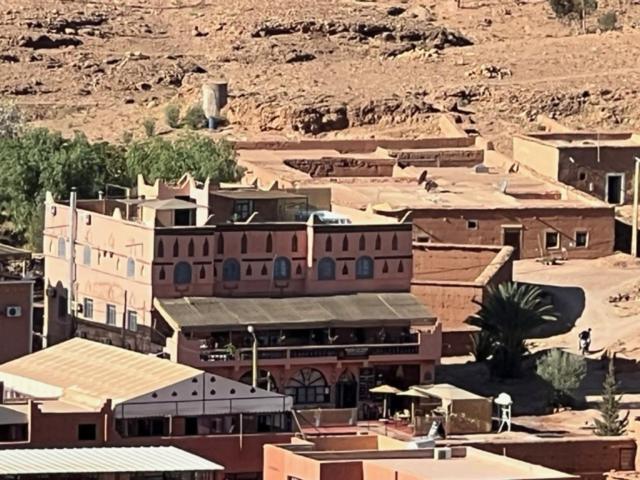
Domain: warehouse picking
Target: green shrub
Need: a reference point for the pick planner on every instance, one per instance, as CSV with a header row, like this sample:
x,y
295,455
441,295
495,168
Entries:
x,y
172,115
564,372
127,137
195,117
608,21
149,125
610,423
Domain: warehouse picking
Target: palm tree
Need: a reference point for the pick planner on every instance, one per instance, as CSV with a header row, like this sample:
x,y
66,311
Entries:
x,y
509,313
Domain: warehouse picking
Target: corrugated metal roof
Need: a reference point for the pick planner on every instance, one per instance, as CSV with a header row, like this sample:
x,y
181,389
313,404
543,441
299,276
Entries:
x,y
98,370
328,310
101,460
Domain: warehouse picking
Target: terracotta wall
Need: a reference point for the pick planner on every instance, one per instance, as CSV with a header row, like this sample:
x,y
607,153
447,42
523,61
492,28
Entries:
x,y
15,332
589,457
450,226
536,155
461,264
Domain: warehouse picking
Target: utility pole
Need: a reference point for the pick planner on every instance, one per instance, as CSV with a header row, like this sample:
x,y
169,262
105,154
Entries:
x,y
254,357
634,214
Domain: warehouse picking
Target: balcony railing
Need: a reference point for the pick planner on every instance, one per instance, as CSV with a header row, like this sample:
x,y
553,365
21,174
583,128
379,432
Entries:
x,y
339,352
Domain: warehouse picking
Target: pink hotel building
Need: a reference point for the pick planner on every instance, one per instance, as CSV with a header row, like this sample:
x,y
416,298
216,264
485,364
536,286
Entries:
x,y
169,272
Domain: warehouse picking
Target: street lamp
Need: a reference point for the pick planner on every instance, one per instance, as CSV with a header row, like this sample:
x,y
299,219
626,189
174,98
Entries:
x,y
254,357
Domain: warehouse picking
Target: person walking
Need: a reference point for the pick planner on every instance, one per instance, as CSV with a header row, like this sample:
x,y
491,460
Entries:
x,y
584,341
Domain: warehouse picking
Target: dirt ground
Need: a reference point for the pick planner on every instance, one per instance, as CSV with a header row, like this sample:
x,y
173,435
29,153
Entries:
x,y
327,67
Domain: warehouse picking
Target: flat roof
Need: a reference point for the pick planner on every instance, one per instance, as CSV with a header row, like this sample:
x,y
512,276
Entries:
x,y
257,194
98,370
585,139
168,204
60,461
476,465
300,311
446,391
8,252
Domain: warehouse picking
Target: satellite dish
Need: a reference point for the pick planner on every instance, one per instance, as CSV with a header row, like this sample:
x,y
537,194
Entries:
x,y
503,399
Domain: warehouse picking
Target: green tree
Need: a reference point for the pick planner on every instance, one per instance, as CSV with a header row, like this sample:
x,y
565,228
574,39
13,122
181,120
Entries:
x,y
482,345
39,161
564,372
610,424
201,156
509,314
608,21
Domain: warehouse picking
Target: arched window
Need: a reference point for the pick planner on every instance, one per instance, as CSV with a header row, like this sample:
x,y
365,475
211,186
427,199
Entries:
x,y
131,267
328,244
176,248
203,272
363,243
205,248
269,243
378,242
182,273
249,271
264,270
282,268
160,249
231,270
400,267
86,255
394,242
62,247
221,244
308,386
385,267
294,243
345,243
162,274
191,248
243,243
299,270
364,267
345,269
326,269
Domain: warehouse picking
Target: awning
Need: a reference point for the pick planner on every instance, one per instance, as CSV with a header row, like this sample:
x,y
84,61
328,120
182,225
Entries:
x,y
43,461
379,309
14,414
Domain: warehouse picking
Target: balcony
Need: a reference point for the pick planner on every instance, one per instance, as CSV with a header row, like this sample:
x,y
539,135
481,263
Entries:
x,y
322,352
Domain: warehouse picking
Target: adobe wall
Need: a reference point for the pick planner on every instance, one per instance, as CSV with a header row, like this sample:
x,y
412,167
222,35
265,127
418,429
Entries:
x,y
450,226
358,146
343,167
583,167
536,155
589,457
450,263
15,332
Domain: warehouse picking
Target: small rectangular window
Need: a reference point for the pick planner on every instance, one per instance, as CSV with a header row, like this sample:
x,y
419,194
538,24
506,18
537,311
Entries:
x,y
132,320
582,239
111,314
551,240
472,224
87,431
87,308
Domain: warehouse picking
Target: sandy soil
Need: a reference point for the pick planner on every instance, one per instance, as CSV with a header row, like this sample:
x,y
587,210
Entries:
x,y
318,81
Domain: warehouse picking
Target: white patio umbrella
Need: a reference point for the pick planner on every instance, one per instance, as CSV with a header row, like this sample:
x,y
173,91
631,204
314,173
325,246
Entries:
x,y
385,390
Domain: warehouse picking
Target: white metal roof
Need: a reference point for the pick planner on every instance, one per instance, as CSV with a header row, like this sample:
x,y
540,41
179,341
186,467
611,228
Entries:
x,y
101,460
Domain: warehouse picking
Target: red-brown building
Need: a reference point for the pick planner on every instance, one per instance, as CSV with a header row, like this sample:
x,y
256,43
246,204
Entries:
x,y
81,393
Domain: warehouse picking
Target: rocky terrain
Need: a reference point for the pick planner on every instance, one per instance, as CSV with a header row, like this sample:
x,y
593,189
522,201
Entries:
x,y
327,67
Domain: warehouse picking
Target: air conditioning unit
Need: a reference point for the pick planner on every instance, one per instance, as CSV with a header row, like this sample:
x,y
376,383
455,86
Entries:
x,y
13,311
442,453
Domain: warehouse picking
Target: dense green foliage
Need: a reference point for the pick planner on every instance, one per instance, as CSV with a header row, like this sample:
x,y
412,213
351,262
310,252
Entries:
x,y
508,315
38,161
564,372
610,424
149,125
195,117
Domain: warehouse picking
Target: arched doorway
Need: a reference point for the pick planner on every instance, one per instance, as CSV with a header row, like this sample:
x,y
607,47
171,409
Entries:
x,y
347,390
265,380
308,386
